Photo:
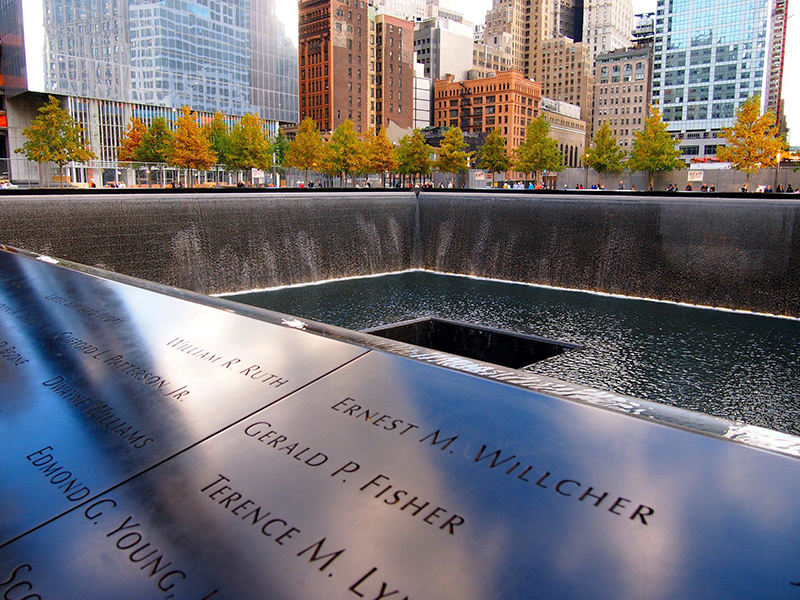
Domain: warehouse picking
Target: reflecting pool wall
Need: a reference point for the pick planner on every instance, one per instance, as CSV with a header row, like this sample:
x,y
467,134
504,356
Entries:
x,y
733,252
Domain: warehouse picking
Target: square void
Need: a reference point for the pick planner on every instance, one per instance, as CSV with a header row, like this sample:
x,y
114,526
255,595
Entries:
x,y
487,344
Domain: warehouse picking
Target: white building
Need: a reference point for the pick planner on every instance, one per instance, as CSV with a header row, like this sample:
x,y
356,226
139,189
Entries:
x,y
423,88
444,46
607,25
410,10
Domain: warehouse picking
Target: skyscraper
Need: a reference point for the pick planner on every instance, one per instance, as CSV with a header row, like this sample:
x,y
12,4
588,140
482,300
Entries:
x,y
607,25
113,60
546,46
444,46
622,92
777,50
394,80
356,65
708,58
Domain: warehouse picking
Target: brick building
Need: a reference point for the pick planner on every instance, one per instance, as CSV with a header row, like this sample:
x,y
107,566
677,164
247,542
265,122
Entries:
x,y
394,76
507,101
334,62
545,43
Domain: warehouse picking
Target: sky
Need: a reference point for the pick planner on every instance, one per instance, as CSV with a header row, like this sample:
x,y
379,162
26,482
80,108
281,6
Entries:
x,y
475,11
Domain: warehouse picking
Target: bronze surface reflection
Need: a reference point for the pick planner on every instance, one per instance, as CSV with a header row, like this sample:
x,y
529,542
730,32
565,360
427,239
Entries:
x,y
101,380
383,478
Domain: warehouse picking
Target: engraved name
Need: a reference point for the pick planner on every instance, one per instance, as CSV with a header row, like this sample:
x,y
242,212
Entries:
x,y
138,547
16,587
413,505
349,407
58,474
117,362
255,371
263,432
99,412
500,461
129,538
103,316
270,525
11,354
567,488
19,314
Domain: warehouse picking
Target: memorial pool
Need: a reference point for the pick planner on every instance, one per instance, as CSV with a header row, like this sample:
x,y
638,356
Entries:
x,y
737,366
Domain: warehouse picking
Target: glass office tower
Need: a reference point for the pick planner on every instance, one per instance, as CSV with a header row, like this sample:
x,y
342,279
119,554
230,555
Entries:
x,y
113,59
709,57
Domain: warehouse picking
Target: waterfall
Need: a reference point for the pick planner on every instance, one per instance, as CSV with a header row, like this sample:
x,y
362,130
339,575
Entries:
x,y
715,251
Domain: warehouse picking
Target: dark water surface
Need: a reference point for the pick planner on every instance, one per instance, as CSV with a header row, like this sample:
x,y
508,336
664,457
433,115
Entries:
x,y
733,365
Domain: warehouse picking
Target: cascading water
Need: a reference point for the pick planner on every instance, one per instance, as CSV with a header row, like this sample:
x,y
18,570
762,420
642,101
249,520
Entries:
x,y
733,253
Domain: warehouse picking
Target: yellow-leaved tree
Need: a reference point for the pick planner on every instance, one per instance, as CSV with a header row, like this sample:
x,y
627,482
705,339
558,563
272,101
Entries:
x,y
754,141
189,147
380,154
305,151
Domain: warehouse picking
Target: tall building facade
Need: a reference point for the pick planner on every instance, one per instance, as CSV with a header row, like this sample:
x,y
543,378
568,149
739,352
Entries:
x,y
335,62
777,52
116,59
708,58
423,87
488,58
565,70
622,92
607,25
409,10
546,41
444,46
505,22
394,77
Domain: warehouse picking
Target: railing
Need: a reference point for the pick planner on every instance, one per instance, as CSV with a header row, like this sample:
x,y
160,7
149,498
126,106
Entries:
x,y
20,172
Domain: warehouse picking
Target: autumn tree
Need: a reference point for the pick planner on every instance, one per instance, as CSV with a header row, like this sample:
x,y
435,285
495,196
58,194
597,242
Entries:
x,y
54,136
189,148
218,136
538,151
452,156
414,155
345,153
380,154
131,140
604,154
306,150
493,155
155,144
250,147
280,148
754,141
654,150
